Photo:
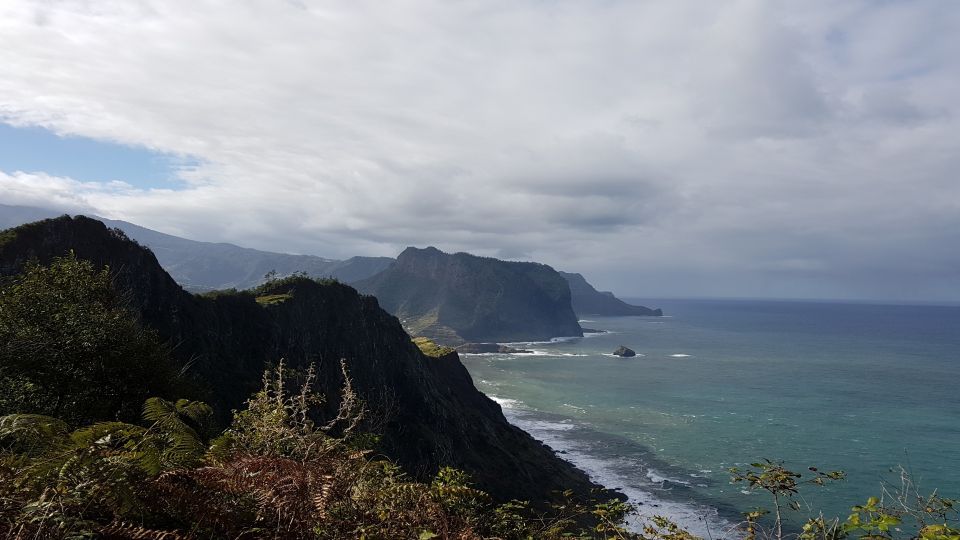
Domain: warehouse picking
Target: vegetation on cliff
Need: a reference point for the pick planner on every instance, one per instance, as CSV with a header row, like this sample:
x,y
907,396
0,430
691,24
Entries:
x,y
274,473
431,349
71,348
427,413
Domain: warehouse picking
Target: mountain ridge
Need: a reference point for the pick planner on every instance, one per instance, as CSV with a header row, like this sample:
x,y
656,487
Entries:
x,y
427,409
208,266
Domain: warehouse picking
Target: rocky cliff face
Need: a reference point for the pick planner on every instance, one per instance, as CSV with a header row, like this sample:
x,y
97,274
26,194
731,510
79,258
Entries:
x,y
462,297
427,408
587,300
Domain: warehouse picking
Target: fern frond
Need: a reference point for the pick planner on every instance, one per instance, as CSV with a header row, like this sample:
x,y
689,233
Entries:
x,y
32,434
221,447
197,412
106,434
184,444
149,456
128,531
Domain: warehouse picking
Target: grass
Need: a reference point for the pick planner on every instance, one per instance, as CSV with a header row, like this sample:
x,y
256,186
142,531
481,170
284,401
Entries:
x,y
429,348
273,299
428,326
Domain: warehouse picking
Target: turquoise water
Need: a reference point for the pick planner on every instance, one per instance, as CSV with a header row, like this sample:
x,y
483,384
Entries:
x,y
853,387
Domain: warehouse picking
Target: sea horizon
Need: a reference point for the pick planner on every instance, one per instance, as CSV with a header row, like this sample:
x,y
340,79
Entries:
x,y
652,301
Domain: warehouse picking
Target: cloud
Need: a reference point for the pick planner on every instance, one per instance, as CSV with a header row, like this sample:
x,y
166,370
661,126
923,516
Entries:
x,y
661,148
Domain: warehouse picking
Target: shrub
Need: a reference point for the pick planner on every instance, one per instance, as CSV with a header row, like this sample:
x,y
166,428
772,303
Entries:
x,y
70,348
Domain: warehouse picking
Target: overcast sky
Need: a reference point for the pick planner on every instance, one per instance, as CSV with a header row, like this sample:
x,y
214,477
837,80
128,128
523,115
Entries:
x,y
748,148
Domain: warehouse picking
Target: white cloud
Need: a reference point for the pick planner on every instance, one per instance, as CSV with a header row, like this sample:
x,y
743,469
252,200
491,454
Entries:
x,y
652,145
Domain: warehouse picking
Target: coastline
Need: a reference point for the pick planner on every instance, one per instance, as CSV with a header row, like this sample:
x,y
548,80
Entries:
x,y
560,433
631,423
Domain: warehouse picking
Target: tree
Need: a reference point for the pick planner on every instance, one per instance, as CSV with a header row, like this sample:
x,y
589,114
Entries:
x,y
71,348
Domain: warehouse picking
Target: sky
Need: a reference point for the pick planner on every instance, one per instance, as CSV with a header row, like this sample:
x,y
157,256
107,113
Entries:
x,y
691,148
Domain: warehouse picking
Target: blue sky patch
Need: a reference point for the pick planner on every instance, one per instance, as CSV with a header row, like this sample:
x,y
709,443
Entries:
x,y
32,149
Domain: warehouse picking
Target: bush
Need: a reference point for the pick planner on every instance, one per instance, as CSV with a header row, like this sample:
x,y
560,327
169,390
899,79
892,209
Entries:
x,y
273,474
70,348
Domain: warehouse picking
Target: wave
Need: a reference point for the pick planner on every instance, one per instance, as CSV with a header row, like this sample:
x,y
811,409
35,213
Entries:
x,y
558,339
680,355
505,403
559,435
658,478
580,410
533,352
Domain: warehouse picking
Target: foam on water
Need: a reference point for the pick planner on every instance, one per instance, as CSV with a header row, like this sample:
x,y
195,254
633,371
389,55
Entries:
x,y
532,352
551,341
580,410
657,478
506,403
698,519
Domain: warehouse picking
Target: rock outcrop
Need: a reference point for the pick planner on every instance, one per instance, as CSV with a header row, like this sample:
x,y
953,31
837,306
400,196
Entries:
x,y
625,352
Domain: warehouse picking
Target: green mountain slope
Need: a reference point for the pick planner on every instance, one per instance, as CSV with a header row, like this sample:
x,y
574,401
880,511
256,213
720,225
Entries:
x,y
462,297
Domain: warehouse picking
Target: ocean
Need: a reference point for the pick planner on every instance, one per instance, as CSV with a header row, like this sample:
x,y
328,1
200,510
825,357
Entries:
x,y
862,388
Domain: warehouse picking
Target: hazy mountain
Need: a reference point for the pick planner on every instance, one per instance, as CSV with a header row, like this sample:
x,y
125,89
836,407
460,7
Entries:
x,y
427,409
462,297
12,216
587,300
203,266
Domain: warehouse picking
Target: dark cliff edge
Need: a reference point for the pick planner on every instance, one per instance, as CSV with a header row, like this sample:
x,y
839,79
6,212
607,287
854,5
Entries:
x,y
589,301
427,409
456,298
